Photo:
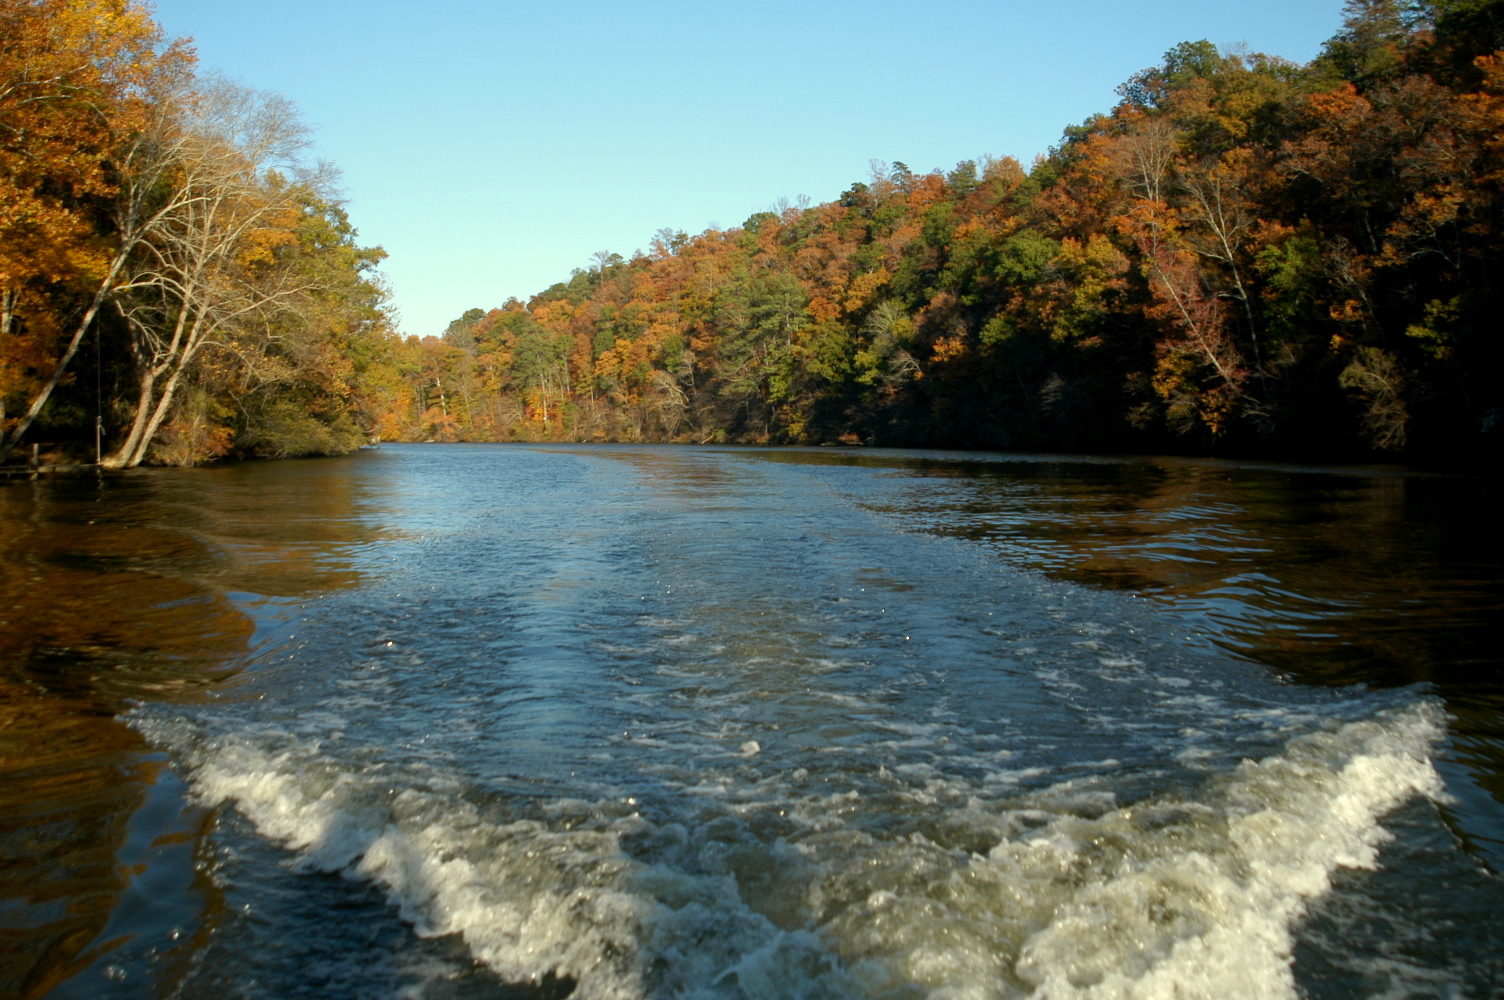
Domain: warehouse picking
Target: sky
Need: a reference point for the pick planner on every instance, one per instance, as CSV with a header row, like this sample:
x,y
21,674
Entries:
x,y
492,148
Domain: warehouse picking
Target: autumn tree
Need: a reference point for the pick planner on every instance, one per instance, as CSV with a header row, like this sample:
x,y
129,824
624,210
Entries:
x,y
1245,255
213,266
81,85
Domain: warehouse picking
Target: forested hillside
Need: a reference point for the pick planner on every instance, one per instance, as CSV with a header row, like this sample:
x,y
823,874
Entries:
x,y
176,273
1245,256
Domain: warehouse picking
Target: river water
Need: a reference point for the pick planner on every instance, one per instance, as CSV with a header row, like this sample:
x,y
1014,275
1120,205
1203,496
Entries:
x,y
482,721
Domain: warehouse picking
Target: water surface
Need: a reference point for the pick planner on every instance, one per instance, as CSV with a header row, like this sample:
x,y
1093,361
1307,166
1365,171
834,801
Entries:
x,y
659,722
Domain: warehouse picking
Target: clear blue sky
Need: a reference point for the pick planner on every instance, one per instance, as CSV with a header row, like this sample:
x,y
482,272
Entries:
x,y
493,147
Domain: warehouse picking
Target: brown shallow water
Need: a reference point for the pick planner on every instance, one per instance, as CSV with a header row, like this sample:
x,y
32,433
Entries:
x,y
209,590
114,591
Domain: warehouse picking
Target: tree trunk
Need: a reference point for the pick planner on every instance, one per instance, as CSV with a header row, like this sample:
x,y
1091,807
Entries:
x,y
159,413
120,458
8,442
151,410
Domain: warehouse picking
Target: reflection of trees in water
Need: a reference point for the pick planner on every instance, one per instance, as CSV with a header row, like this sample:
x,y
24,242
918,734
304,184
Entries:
x,y
110,593
1328,577
1268,559
1335,578
68,819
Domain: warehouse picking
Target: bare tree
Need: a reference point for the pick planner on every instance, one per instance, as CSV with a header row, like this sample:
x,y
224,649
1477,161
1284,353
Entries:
x,y
1217,202
1375,377
1145,158
887,327
668,401
211,267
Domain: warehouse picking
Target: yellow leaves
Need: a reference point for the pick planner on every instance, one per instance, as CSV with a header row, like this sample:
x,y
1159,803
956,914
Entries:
x,y
636,355
949,349
822,309
262,243
1493,72
1177,381
43,240
389,425
28,348
1349,311
1089,272
970,227
73,82
1418,227
628,364
865,288
1487,109
1097,258
1376,379
608,366
555,315
1437,333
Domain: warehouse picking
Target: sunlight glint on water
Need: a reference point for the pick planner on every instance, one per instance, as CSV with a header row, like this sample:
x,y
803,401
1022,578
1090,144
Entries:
x,y
654,723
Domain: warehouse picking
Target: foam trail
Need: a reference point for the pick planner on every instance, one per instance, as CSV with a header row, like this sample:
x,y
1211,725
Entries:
x,y
1217,920
1168,898
529,897
1190,895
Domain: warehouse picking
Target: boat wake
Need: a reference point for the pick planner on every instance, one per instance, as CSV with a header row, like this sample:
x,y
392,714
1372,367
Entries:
x,y
1061,891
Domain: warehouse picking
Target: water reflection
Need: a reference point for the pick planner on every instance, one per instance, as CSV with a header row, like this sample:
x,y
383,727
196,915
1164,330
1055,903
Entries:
x,y
158,586
1328,576
120,590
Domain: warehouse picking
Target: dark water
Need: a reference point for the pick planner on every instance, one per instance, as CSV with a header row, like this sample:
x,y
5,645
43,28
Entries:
x,y
503,722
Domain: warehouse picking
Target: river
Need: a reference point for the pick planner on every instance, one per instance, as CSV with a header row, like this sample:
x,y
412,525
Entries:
x,y
634,722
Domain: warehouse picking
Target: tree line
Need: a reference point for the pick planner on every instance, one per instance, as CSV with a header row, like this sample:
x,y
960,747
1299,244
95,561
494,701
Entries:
x,y
1246,255
178,280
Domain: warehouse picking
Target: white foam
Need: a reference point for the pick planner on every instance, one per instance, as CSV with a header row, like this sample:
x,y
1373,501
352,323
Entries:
x,y
1080,898
1167,899
529,898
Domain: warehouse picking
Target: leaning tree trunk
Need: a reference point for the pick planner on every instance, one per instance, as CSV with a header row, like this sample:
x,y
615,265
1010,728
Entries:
x,y
152,409
121,455
8,442
159,413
